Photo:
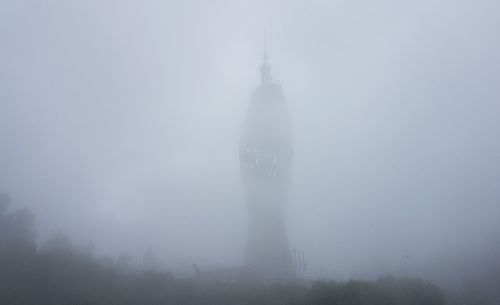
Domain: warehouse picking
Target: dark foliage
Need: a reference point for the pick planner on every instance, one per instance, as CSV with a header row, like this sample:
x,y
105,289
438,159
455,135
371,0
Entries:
x,y
60,273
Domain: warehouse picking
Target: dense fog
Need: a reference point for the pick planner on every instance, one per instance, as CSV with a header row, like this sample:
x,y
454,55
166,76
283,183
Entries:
x,y
120,123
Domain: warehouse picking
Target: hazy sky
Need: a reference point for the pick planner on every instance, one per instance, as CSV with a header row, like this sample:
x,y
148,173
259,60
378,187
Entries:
x,y
120,120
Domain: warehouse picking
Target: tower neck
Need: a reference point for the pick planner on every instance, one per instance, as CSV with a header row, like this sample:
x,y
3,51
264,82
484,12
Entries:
x,y
265,71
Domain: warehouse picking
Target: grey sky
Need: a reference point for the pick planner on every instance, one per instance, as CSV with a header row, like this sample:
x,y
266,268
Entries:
x,y
119,123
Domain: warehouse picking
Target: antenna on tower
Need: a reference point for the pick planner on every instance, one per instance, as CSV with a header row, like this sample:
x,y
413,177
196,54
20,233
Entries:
x,y
265,47
265,68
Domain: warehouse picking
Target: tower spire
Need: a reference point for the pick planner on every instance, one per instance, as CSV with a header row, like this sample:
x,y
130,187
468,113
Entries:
x,y
265,47
265,68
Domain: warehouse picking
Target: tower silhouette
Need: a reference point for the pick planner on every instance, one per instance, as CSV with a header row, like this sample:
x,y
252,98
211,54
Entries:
x,y
265,161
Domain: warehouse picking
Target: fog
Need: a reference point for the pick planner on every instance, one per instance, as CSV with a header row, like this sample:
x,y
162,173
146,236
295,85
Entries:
x,y
120,123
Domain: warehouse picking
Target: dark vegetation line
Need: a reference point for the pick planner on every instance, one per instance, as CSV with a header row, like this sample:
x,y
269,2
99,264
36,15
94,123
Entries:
x,y
58,273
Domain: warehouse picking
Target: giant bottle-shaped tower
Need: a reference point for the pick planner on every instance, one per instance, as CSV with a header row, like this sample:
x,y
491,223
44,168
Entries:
x,y
265,164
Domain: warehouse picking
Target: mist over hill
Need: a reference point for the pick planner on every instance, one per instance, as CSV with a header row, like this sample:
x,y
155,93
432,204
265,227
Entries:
x,y
124,127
